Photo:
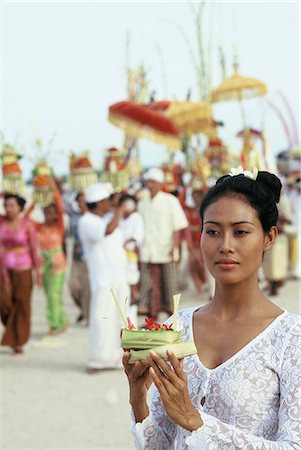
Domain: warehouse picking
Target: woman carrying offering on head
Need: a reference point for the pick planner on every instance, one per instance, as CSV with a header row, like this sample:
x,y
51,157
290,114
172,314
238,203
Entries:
x,y
242,389
51,238
19,256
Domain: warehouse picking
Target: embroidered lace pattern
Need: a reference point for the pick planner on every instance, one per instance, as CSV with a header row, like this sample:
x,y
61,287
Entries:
x,y
252,401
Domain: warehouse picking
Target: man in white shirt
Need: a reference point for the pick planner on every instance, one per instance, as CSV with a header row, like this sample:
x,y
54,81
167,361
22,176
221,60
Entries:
x,y
106,260
163,219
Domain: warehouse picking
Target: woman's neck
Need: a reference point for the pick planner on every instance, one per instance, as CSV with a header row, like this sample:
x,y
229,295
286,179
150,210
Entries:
x,y
12,220
241,299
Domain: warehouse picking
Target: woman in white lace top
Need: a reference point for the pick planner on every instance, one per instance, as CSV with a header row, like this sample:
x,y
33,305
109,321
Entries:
x,y
242,389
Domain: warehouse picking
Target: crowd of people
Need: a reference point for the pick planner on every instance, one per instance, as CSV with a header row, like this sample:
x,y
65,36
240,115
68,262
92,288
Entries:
x,y
134,242
241,390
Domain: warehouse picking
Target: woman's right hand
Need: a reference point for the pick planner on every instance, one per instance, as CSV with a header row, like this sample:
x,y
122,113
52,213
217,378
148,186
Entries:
x,y
139,382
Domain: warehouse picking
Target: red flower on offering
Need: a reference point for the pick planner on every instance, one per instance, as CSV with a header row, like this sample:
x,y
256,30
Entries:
x,y
151,325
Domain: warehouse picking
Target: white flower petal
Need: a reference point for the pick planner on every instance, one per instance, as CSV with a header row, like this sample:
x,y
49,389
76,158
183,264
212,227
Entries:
x,y
248,174
255,173
236,171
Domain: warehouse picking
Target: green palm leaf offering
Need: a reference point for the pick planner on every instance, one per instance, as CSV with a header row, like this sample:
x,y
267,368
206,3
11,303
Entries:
x,y
147,339
180,350
155,337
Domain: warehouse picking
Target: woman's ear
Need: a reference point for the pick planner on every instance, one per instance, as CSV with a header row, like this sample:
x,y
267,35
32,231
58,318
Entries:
x,y
269,238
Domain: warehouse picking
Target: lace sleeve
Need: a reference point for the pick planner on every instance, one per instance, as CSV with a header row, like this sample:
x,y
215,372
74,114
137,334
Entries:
x,y
215,434
157,431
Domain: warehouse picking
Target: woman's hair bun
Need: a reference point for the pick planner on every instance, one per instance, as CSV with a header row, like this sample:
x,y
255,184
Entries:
x,y
271,184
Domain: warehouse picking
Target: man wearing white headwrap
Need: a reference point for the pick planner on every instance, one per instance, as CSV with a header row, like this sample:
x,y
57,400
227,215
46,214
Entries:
x,y
106,260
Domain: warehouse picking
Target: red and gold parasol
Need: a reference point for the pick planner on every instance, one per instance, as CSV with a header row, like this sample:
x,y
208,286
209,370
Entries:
x,y
141,121
163,122
256,134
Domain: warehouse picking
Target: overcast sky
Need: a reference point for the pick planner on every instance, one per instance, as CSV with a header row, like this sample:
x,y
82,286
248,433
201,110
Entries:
x,y
63,64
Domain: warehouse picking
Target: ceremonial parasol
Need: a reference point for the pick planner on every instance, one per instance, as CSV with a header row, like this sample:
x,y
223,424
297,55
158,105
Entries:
x,y
164,122
256,134
190,117
238,87
141,121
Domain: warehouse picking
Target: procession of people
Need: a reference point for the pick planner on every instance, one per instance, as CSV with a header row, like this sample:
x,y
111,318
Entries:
x,y
136,239
131,244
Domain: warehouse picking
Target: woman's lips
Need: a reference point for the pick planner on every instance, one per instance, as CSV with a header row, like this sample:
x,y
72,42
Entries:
x,y
227,265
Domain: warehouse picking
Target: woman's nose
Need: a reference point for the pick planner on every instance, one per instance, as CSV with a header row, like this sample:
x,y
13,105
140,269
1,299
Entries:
x,y
226,244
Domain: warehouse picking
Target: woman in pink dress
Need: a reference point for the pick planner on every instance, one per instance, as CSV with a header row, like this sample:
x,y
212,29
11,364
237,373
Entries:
x,y
19,255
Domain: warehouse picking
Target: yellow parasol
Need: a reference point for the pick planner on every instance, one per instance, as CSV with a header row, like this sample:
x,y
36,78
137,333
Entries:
x,y
238,87
190,117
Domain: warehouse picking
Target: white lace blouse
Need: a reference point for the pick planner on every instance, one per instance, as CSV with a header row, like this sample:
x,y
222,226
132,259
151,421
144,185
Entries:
x,y
252,400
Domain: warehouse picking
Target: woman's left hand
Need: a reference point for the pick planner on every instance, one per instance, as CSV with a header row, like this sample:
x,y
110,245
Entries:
x,y
171,383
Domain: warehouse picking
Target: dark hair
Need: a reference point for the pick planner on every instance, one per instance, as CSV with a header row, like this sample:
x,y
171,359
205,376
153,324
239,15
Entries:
x,y
262,194
20,200
124,197
51,205
91,206
78,195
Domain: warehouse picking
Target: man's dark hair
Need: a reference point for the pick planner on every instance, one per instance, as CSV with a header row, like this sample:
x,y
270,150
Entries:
x,y
126,197
91,206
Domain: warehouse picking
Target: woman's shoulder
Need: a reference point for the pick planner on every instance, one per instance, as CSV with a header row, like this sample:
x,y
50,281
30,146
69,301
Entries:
x,y
289,321
288,339
187,312
285,332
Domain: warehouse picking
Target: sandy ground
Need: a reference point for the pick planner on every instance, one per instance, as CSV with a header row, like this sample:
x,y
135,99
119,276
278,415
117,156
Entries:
x,y
47,400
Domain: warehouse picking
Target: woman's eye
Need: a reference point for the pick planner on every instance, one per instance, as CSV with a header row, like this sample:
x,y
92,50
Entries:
x,y
212,232
241,232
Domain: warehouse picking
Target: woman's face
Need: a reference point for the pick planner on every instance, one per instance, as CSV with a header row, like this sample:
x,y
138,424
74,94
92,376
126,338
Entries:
x,y
50,214
233,240
12,208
